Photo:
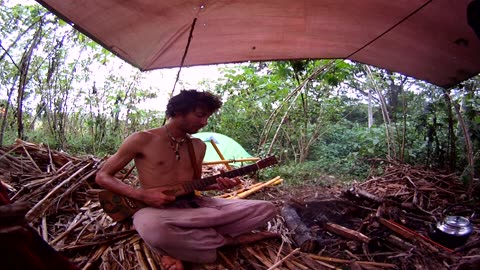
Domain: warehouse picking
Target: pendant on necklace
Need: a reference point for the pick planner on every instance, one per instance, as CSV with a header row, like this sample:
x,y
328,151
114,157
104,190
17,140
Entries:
x,y
178,144
177,153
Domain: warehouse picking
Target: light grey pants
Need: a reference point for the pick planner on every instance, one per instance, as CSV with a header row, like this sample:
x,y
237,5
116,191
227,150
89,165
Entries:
x,y
194,234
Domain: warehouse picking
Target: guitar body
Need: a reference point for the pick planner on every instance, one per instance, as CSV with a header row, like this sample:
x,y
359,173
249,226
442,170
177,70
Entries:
x,y
120,207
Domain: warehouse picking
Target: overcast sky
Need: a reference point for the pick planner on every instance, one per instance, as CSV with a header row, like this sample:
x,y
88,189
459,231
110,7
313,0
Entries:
x,y
164,79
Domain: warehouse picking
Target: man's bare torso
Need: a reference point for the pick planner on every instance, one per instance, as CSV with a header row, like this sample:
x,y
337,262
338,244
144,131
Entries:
x,y
156,163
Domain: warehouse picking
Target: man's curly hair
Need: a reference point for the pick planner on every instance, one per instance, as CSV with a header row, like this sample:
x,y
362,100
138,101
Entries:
x,y
188,100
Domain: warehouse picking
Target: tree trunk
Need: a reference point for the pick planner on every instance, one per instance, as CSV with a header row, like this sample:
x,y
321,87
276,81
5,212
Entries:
x,y
469,171
24,67
370,111
391,146
451,144
5,112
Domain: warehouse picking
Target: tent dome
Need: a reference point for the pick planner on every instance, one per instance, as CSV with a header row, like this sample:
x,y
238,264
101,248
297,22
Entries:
x,y
229,148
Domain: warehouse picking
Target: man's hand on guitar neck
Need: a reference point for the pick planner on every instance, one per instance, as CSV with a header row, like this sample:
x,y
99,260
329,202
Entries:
x,y
225,183
156,197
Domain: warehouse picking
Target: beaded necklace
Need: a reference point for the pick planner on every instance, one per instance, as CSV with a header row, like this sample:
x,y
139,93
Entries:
x,y
175,144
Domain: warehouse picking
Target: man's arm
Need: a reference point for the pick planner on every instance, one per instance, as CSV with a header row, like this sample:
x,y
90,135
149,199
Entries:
x,y
106,175
222,182
130,148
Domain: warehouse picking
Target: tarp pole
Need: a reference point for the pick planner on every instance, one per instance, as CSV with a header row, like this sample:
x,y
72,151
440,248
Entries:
x,y
220,154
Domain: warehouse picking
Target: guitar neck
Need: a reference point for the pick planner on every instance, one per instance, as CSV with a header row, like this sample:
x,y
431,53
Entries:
x,y
210,180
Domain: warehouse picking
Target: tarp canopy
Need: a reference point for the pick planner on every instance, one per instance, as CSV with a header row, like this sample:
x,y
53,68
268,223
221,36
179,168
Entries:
x,y
229,148
429,40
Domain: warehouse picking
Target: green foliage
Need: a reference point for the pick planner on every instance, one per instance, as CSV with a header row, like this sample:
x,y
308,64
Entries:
x,y
79,98
345,149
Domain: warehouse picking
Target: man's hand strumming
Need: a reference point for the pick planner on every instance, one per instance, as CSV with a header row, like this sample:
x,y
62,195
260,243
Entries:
x,y
157,197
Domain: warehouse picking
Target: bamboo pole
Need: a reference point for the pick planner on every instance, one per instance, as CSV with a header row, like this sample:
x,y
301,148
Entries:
x,y
347,233
220,154
140,258
31,159
259,256
238,191
336,260
44,229
226,260
70,228
257,188
95,257
254,159
284,258
148,255
32,213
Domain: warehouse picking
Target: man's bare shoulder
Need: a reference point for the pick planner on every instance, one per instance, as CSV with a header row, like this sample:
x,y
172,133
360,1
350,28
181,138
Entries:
x,y
198,142
139,138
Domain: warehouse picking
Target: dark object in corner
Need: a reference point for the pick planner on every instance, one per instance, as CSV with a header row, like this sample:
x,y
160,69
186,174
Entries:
x,y
473,16
21,248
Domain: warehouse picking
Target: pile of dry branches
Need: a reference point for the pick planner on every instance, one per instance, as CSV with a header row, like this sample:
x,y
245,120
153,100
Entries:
x,y
387,219
65,210
378,224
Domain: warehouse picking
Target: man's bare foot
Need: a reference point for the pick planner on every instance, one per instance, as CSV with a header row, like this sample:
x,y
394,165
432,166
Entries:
x,y
248,238
170,263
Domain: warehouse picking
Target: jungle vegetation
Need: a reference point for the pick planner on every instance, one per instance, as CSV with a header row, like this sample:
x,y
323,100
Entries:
x,y
318,117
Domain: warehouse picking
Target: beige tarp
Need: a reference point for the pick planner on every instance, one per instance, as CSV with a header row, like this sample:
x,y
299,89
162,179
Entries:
x,y
428,40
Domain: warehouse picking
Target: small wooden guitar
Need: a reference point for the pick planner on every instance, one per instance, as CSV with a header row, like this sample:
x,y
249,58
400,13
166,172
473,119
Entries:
x,y
120,207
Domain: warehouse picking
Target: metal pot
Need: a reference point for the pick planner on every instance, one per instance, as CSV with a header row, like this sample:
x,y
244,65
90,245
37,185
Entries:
x,y
452,231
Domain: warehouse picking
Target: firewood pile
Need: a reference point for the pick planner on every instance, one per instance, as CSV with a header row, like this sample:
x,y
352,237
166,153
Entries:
x,y
381,223
389,219
65,211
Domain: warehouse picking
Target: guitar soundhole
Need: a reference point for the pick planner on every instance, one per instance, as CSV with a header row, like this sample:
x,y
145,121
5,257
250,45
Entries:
x,y
111,206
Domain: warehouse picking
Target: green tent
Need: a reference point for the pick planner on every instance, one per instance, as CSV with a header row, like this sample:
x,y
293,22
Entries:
x,y
229,148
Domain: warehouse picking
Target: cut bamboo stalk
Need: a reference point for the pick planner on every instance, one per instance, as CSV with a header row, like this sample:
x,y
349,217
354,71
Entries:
x,y
313,264
284,258
347,233
262,259
279,252
15,163
234,193
31,159
254,159
299,265
220,154
148,255
44,229
70,228
272,255
80,182
290,265
335,260
52,164
226,260
400,243
255,189
95,257
80,246
324,264
6,154
231,195
409,234
140,258
37,208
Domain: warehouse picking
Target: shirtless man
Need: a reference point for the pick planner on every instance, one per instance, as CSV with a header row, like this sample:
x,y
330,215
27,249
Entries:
x,y
190,228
